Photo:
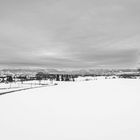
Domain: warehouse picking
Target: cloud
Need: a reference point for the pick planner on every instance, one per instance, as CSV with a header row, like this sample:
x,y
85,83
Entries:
x,y
70,33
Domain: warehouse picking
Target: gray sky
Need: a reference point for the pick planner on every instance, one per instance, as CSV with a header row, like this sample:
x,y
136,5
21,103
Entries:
x,y
70,33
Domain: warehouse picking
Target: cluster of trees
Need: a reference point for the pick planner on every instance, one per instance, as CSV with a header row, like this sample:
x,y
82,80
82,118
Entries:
x,y
129,76
56,77
6,79
39,76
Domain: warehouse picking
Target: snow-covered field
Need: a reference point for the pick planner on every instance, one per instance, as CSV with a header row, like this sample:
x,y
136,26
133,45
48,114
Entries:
x,y
17,86
88,110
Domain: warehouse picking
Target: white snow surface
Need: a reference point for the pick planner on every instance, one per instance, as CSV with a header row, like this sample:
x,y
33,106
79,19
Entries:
x,y
88,110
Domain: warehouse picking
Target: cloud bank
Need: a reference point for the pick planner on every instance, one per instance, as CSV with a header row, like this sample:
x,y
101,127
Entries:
x,y
70,33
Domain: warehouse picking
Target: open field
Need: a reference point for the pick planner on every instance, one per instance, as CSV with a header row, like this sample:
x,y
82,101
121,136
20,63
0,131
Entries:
x,y
19,86
82,110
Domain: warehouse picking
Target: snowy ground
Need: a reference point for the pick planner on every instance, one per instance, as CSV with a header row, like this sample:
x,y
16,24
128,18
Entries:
x,y
16,86
88,110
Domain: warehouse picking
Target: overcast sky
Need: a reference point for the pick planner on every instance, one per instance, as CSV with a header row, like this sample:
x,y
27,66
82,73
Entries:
x,y
70,33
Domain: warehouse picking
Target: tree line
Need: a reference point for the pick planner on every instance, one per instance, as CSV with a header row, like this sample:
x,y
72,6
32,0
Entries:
x,y
39,76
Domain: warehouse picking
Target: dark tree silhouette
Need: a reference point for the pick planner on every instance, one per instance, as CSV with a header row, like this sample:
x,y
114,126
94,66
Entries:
x,y
40,76
57,78
62,78
9,79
